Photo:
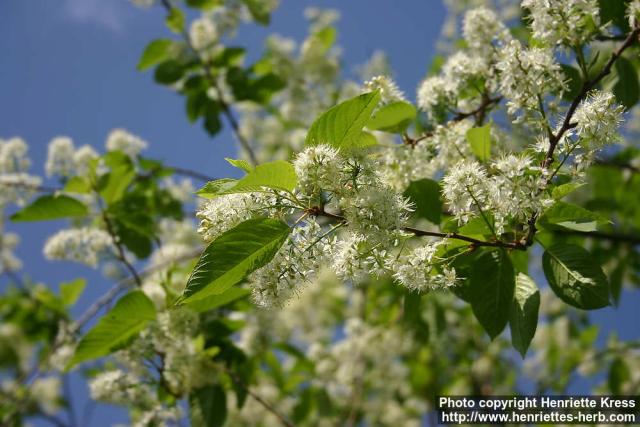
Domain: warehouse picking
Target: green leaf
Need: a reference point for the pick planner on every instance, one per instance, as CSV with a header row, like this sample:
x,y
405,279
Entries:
x,y
129,316
175,20
563,190
240,164
480,141
523,317
215,188
218,300
259,11
574,82
51,207
155,52
116,183
425,194
572,217
277,175
233,255
575,276
203,4
208,406
394,117
627,87
619,373
341,126
77,184
492,283
71,291
169,72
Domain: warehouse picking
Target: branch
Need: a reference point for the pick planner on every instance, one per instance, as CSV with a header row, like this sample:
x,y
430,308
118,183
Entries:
x,y
586,87
600,235
191,174
480,112
119,250
226,108
319,211
617,165
266,405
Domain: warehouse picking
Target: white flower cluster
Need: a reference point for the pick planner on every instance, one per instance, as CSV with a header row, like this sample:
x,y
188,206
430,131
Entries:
x,y
416,270
572,22
203,33
85,245
598,119
483,30
633,13
295,264
121,388
513,191
370,357
8,260
16,185
129,144
219,214
65,161
389,90
527,75
463,73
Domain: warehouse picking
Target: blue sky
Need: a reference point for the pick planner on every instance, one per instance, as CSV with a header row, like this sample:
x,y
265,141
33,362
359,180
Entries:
x,y
68,68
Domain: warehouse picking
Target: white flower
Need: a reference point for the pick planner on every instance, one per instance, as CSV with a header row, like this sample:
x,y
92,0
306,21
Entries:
x,y
120,388
416,269
526,75
224,212
203,33
572,22
434,94
293,266
465,189
482,29
376,211
84,245
46,392
121,140
389,91
13,156
318,168
82,157
598,119
60,157
633,13
8,260
17,188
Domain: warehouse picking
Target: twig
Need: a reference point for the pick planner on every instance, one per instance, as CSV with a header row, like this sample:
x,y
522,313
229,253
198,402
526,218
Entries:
x,y
586,87
119,250
319,211
613,237
226,108
266,405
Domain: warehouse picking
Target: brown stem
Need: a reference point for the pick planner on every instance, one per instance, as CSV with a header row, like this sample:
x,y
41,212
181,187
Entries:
x,y
554,139
319,211
266,405
120,255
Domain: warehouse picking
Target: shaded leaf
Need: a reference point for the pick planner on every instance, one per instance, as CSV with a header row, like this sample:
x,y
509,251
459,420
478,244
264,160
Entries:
x,y
575,276
491,289
523,317
425,194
